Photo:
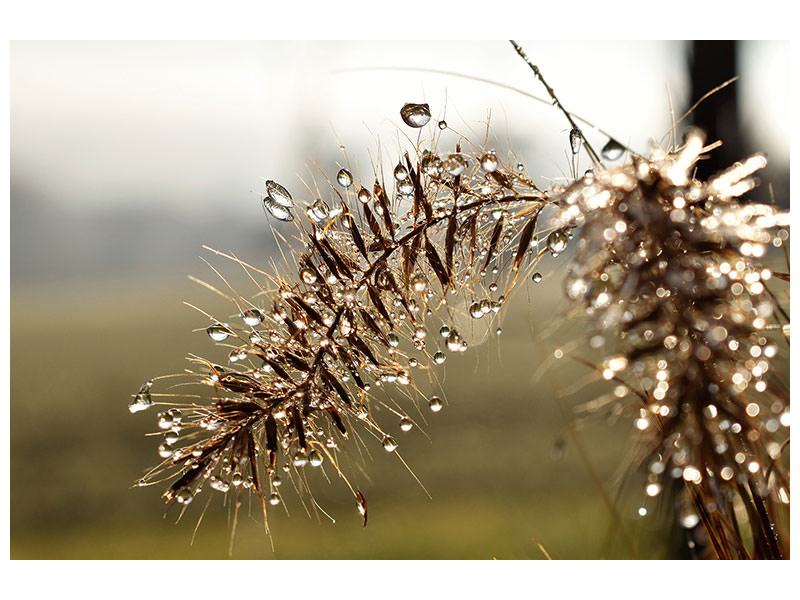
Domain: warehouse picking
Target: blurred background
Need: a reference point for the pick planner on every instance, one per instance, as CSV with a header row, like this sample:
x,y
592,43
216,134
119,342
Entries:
x,y
127,157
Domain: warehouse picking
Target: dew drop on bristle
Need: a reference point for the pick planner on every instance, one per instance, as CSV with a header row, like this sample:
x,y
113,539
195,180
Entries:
x,y
184,495
389,443
475,310
308,276
344,178
364,195
575,140
142,400
612,150
435,404
400,173
252,317
274,499
455,164
218,332
415,115
442,124
406,424
444,331
439,357
278,211
165,450
489,162
279,194
537,277
315,458
557,242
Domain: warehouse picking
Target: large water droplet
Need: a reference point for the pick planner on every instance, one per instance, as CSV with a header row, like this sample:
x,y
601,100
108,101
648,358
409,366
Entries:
x,y
142,400
300,459
439,357
400,173
435,404
252,317
406,424
557,242
218,332
455,164
318,211
415,115
278,211
475,310
315,458
612,150
432,165
344,178
454,342
165,450
308,276
184,495
279,194
489,162
389,443
274,499
575,140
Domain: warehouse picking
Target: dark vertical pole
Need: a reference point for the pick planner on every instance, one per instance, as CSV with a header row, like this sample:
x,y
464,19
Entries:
x,y
711,63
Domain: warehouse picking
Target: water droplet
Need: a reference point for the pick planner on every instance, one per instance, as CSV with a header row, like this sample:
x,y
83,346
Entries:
x,y
142,400
575,140
439,357
184,495
252,317
415,115
319,211
432,165
276,210
455,164
165,450
475,310
279,194
308,276
418,283
612,150
389,443
393,339
405,187
274,499
444,331
489,162
400,173
315,458
499,330
406,424
300,459
344,178
171,437
455,343
218,332
442,124
164,421
557,242
435,404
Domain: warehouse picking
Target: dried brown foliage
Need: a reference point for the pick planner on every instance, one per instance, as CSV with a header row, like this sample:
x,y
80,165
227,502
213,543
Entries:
x,y
667,267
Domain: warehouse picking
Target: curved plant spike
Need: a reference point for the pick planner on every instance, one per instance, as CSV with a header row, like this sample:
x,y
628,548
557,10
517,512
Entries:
x,y
666,266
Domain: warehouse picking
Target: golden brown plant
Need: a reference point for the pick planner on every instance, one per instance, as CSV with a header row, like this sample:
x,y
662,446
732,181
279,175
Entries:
x,y
668,268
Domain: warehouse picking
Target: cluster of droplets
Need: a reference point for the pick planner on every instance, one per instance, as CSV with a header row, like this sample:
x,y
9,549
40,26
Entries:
x,y
670,266
378,267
